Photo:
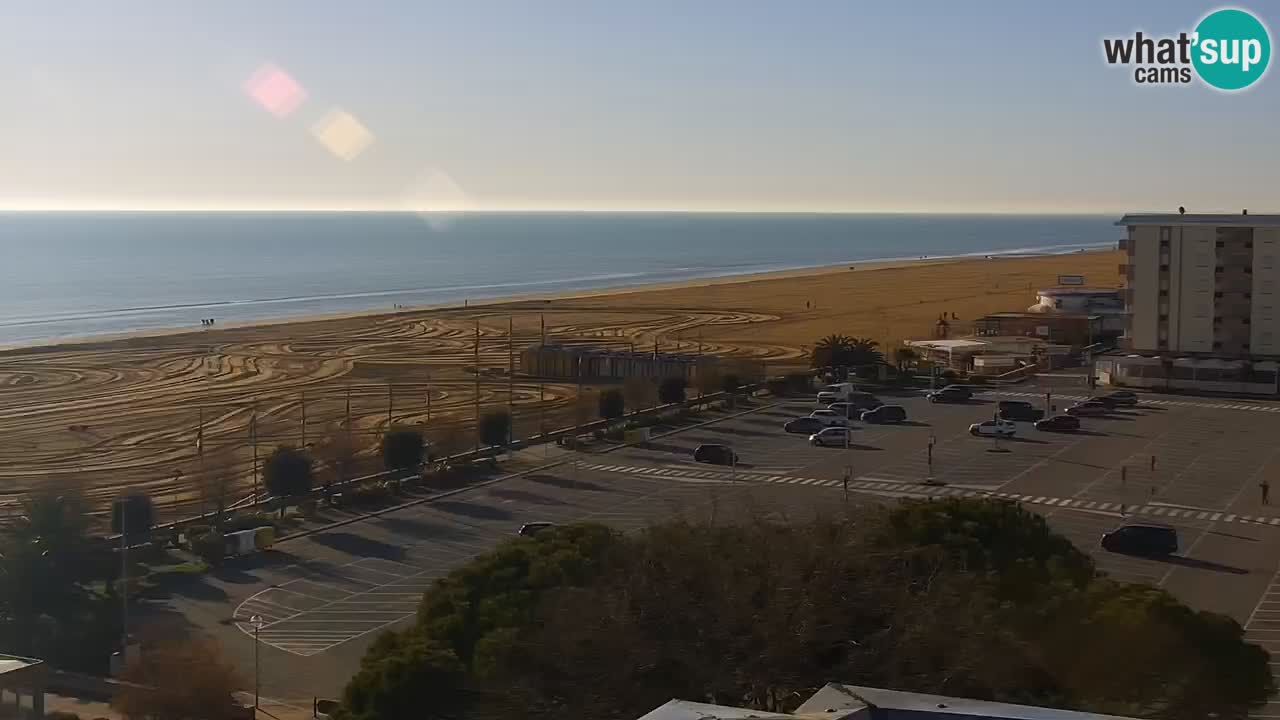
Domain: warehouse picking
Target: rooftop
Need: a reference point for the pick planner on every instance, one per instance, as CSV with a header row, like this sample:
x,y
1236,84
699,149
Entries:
x,y
1240,220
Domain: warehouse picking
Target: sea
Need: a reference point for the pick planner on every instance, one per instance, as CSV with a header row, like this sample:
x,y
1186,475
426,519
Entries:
x,y
65,275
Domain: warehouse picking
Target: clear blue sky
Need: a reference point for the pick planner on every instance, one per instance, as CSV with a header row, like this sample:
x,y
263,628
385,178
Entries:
x,y
838,105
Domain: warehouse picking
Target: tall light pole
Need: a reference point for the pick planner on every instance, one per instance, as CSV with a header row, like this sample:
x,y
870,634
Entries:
x,y
256,621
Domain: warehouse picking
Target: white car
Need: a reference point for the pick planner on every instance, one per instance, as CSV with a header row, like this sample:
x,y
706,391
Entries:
x,y
835,393
831,418
997,428
830,437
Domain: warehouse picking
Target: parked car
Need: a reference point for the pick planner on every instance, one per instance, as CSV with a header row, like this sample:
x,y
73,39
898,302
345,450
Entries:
x,y
857,402
835,393
830,437
715,454
1019,410
1113,400
1089,408
885,414
1120,397
948,396
998,428
968,390
533,528
806,425
830,417
1058,423
1142,539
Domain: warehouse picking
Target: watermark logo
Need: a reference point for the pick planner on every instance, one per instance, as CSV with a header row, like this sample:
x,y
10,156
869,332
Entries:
x,y
1229,50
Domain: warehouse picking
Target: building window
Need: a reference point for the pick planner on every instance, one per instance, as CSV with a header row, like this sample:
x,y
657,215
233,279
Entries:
x,y
1218,294
1248,269
1248,244
1164,318
1248,296
1244,346
1164,293
1245,320
1165,234
1218,244
1217,345
1217,319
1164,268
1218,269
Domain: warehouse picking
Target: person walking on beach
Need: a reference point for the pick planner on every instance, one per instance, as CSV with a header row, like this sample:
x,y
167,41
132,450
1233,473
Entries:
x,y
1265,487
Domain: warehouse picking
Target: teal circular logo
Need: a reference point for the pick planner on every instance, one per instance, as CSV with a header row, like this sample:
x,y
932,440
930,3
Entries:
x,y
1231,49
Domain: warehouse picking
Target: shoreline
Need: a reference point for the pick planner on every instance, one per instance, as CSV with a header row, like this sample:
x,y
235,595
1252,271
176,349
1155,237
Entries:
x,y
73,342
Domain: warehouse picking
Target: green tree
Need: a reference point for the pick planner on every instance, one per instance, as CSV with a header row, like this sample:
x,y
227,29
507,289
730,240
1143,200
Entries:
x,y
863,351
403,448
830,351
495,428
612,404
672,390
401,676
133,514
638,392
179,679
287,474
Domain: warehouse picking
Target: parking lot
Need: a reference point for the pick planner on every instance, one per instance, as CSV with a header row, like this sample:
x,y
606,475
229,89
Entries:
x,y
321,608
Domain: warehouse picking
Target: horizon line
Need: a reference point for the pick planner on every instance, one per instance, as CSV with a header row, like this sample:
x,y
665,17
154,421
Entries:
x,y
550,211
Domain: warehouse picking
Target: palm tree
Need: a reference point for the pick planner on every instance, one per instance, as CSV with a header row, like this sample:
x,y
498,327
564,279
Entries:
x,y
830,351
864,351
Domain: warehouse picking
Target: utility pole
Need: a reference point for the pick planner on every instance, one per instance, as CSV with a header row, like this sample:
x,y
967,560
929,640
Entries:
x,y
543,318
253,440
391,400
302,400
428,398
124,585
200,455
477,388
511,377
348,415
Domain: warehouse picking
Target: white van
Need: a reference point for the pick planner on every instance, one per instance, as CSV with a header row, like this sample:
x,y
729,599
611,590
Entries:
x,y
836,393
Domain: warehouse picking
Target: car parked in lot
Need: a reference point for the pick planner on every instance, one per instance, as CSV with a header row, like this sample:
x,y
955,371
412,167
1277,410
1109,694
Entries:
x,y
1089,408
838,392
806,425
1114,401
948,395
1118,397
856,403
969,390
1019,411
885,414
1142,539
830,437
533,528
715,454
1058,423
996,428
830,417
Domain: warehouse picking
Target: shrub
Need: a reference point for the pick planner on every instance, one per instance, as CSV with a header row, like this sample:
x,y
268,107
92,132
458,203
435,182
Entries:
x,y
403,448
672,390
612,404
211,547
495,427
777,387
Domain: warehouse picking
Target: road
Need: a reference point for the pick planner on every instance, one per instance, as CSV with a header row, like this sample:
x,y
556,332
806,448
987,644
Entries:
x,y
323,598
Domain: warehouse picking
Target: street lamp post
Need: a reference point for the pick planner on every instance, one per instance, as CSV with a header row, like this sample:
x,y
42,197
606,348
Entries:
x,y
256,621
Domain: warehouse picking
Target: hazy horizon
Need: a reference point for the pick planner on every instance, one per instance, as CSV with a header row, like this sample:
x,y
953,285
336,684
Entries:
x,y
819,107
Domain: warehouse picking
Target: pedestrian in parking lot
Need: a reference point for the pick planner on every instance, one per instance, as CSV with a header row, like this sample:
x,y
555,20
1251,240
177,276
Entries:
x,y
1265,487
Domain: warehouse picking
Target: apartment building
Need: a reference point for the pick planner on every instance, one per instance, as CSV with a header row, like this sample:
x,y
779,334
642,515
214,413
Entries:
x,y
1202,295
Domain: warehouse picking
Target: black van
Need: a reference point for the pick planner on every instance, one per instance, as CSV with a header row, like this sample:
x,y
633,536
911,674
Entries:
x,y
715,454
885,414
1019,411
1142,539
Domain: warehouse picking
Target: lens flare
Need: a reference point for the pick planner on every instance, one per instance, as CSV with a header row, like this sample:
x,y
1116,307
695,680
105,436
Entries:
x,y
436,198
342,134
275,90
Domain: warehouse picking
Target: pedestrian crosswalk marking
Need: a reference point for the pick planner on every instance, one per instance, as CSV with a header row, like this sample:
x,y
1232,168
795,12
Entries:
x,y
1145,401
872,484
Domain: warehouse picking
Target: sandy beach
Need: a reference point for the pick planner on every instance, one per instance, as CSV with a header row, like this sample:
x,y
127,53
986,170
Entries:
x,y
126,411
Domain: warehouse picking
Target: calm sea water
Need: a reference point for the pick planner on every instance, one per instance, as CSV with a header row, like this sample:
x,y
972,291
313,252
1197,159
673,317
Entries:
x,y
76,274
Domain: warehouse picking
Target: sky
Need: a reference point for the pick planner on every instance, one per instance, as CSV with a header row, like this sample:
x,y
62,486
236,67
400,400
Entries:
x,y
804,106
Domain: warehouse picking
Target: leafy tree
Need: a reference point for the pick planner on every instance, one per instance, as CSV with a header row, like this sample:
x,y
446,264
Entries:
x,y
177,680
708,378
975,598
339,456
287,474
638,393
671,390
133,514
731,383
403,448
612,404
397,673
495,427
